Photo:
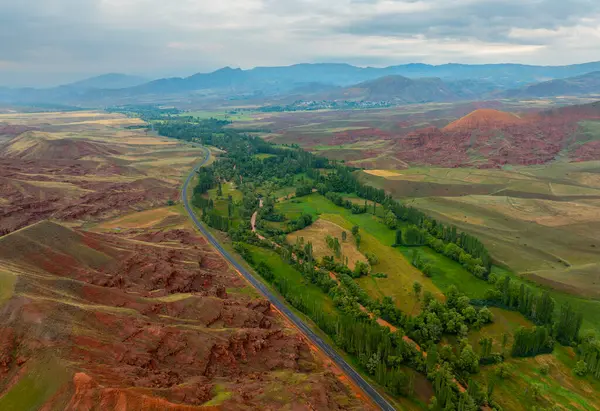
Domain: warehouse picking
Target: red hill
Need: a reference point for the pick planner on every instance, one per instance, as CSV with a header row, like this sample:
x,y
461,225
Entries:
x,y
484,119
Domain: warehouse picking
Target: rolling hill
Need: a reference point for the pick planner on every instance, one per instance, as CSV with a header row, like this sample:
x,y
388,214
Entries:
x,y
108,81
492,138
484,119
152,320
398,89
581,85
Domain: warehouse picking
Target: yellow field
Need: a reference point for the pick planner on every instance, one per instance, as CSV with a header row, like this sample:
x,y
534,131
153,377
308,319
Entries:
x,y
142,219
146,141
401,274
544,212
7,285
318,231
383,173
541,221
95,149
62,118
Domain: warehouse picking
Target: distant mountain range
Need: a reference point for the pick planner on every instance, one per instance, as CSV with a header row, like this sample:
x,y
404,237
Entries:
x,y
403,90
585,84
408,83
111,81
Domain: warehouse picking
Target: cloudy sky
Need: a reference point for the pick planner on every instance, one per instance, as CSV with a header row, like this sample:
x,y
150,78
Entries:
x,y
47,42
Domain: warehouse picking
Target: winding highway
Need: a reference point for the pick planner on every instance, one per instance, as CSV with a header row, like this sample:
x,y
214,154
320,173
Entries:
x,y
375,396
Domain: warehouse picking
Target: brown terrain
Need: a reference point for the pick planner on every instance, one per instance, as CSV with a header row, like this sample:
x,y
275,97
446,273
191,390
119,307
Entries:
x,y
84,168
106,308
491,138
462,135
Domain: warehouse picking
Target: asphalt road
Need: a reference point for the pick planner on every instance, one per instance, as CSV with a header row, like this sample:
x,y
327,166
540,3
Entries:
x,y
314,338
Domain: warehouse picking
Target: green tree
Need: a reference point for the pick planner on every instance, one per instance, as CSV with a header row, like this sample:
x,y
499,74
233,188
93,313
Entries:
x,y
344,236
390,220
372,258
361,269
569,324
417,287
580,369
355,230
219,190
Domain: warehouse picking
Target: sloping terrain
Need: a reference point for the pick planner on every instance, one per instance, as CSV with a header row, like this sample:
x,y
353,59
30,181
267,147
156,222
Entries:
x,y
479,134
541,221
484,119
491,138
398,89
136,310
83,166
150,319
588,83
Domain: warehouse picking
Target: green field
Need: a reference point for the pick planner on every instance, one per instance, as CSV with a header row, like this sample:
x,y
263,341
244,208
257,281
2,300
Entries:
x,y
42,379
557,388
230,115
378,238
282,270
541,221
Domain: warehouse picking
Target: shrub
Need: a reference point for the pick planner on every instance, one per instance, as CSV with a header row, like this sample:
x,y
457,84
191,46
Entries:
x,y
503,371
580,369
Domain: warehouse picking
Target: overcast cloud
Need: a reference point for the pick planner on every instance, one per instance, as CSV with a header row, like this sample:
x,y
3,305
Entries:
x,y
46,42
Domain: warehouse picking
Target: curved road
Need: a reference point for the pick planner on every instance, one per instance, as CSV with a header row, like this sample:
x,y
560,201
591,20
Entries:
x,y
314,338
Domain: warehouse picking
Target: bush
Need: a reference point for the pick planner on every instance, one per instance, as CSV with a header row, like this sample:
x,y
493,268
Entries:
x,y
361,269
545,369
372,258
503,371
535,390
580,369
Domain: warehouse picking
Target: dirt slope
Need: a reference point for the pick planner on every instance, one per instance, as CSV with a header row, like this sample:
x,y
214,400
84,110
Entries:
x,y
491,138
484,119
77,171
145,318
138,311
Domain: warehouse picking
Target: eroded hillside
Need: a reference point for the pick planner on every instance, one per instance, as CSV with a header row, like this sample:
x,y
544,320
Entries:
x,y
106,306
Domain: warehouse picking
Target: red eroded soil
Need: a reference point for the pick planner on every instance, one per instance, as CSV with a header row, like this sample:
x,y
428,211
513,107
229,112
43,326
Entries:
x,y
484,119
149,320
29,195
483,138
587,152
489,138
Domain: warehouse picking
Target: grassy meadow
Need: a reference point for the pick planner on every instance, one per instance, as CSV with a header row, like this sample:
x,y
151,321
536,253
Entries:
x,y
558,387
541,221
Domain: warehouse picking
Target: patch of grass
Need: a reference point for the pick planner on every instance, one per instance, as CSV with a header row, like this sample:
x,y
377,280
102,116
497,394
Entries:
x,y
220,395
229,189
376,239
263,156
315,205
448,272
235,116
249,291
7,286
317,233
560,387
401,274
32,390
142,219
282,270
